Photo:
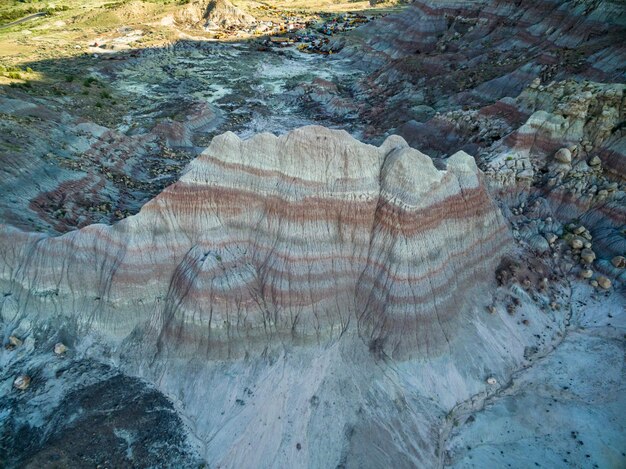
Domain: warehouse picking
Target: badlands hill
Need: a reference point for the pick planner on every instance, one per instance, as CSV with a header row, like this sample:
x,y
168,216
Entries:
x,y
294,239
214,14
197,268
310,253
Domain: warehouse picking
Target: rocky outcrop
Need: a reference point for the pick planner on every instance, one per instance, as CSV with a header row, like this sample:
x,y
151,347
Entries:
x,y
214,14
293,239
568,160
223,14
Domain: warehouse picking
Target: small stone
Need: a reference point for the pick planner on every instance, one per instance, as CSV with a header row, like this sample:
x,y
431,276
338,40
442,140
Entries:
x,y
587,244
551,238
539,243
587,256
619,262
563,155
60,348
604,282
21,382
491,309
603,193
579,230
586,273
15,341
595,161
612,187
491,381
594,283
576,243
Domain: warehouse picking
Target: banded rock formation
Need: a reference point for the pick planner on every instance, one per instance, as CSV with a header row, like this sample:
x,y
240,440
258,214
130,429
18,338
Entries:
x,y
291,239
71,172
444,55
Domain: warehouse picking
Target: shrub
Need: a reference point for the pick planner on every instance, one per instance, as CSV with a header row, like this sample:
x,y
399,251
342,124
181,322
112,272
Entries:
x,y
90,81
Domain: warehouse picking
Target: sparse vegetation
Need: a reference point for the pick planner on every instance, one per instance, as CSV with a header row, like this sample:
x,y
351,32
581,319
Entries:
x,y
14,73
90,81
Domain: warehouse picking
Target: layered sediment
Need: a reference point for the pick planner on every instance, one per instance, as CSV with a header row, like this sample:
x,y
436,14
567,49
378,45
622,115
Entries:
x,y
312,301
291,239
440,56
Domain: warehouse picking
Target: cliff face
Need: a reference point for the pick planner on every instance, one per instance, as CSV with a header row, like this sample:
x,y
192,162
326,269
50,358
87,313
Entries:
x,y
299,238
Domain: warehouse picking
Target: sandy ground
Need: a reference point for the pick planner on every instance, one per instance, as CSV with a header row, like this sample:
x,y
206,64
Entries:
x,y
566,410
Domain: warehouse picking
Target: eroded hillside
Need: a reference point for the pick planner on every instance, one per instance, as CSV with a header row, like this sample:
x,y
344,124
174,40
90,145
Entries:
x,y
313,235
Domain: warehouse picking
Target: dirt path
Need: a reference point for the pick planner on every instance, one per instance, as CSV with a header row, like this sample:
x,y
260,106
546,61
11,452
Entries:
x,y
23,20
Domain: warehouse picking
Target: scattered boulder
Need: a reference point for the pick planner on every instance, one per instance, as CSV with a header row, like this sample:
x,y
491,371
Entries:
x,y
539,243
619,262
491,381
576,242
21,382
564,155
551,238
586,273
60,348
604,282
587,256
595,161
15,341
